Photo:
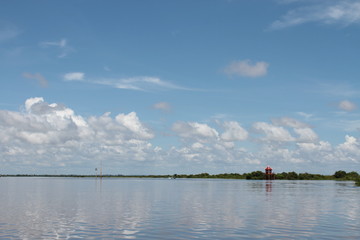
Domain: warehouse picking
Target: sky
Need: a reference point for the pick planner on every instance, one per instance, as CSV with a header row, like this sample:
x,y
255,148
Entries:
x,y
165,87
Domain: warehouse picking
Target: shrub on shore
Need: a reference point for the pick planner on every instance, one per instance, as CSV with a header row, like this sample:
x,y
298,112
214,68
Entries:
x,y
357,182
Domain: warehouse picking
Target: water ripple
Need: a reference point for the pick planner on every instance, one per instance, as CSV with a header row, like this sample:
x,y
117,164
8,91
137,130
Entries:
x,y
182,209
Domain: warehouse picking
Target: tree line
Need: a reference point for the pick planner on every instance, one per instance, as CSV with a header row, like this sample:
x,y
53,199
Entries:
x,y
255,175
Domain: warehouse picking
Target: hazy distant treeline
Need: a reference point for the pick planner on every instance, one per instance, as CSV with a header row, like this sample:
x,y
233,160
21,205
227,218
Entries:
x,y
255,175
259,175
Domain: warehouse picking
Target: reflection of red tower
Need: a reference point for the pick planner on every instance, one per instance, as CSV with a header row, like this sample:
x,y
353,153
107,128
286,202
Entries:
x,y
269,175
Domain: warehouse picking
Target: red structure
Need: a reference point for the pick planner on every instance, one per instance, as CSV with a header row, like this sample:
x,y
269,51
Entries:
x,y
269,175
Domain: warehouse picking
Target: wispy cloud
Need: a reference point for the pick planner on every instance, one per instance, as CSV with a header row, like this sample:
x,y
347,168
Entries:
x,y
63,45
246,68
307,116
344,12
38,77
347,106
342,90
74,76
8,31
162,106
142,83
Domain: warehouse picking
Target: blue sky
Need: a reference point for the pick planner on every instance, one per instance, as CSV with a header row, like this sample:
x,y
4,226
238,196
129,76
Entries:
x,y
158,87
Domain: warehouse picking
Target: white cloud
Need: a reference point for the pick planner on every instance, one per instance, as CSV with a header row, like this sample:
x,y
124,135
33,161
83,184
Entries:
x,y
349,150
347,106
289,122
272,133
233,132
163,106
132,122
313,147
53,135
142,83
195,130
246,68
344,12
45,135
306,135
74,76
31,102
307,116
61,44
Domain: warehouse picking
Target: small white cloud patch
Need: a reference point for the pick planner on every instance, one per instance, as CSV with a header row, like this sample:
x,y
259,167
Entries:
x,y
347,106
246,68
163,106
74,76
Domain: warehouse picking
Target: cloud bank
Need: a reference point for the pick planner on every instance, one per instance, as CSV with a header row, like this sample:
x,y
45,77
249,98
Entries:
x,y
44,136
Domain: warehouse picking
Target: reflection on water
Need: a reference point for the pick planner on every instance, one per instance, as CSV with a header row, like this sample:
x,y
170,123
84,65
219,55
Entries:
x,y
268,185
71,208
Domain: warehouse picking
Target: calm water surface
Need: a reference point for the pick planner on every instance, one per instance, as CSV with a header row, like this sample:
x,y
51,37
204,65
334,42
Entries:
x,y
76,208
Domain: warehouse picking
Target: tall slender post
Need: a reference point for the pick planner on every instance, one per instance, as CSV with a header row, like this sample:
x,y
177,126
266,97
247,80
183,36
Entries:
x,y
101,169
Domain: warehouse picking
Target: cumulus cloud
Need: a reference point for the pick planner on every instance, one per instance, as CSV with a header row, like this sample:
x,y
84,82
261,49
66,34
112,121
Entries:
x,y
233,132
344,12
53,135
303,130
322,146
163,106
38,77
347,106
289,122
44,135
302,151
272,133
349,150
306,135
246,68
195,130
74,76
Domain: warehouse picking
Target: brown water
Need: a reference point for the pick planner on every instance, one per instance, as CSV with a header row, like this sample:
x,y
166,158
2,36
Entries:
x,y
78,208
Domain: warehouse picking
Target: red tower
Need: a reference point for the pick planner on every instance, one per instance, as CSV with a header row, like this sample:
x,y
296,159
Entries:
x,y
269,175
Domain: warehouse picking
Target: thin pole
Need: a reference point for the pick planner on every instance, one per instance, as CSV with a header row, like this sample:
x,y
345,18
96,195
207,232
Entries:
x,y
101,168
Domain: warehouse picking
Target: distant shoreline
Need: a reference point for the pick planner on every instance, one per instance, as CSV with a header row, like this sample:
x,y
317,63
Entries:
x,y
256,175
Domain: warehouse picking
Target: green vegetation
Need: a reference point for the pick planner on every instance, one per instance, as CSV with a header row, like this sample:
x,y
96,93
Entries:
x,y
256,175
357,182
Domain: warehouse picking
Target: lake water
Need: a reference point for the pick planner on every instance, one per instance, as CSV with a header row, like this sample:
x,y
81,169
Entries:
x,y
81,208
